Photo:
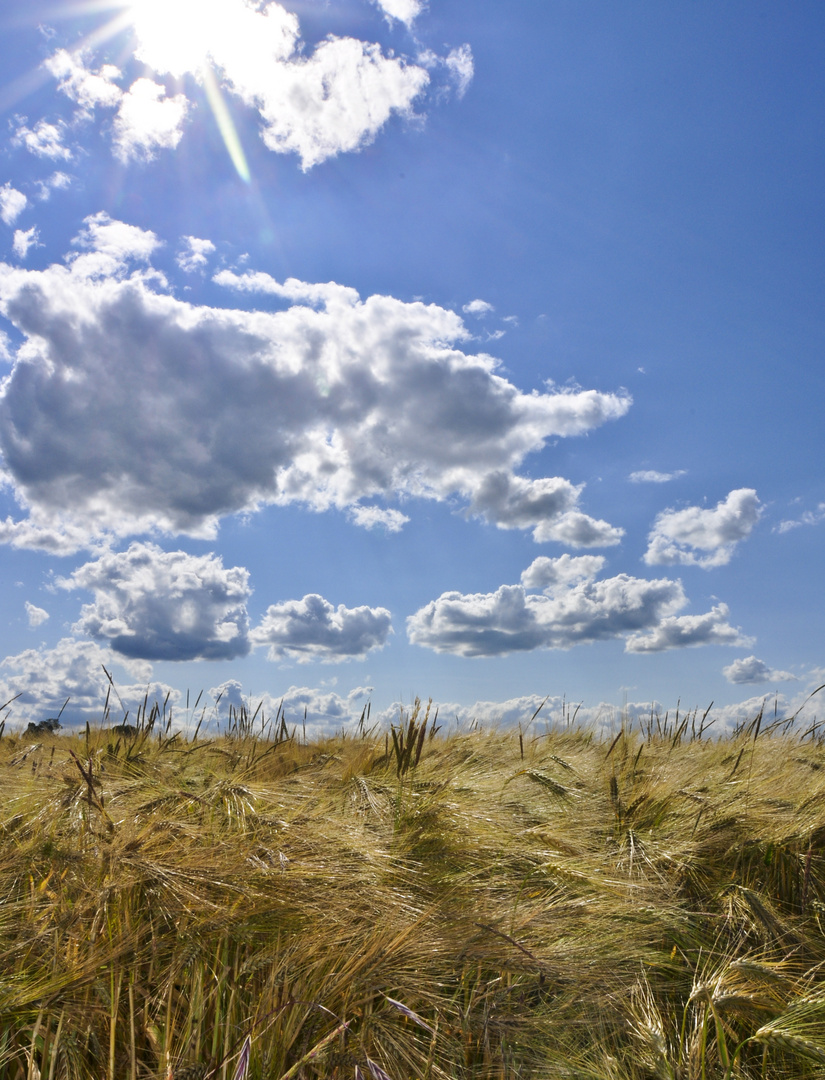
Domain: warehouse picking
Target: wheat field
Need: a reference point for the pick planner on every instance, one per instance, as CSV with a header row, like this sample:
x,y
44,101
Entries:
x,y
544,902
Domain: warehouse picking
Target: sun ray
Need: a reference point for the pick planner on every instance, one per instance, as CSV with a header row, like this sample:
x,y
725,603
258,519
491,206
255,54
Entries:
x,y
15,92
225,123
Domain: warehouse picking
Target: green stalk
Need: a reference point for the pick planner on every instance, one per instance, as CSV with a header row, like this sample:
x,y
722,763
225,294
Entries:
x,y
115,992
56,1045
35,1033
132,1058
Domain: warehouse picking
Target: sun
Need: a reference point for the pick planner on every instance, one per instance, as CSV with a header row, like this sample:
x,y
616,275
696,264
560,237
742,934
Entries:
x,y
180,36
177,37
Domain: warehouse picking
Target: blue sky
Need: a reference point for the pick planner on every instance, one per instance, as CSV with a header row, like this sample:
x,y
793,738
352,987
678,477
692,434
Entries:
x,y
364,349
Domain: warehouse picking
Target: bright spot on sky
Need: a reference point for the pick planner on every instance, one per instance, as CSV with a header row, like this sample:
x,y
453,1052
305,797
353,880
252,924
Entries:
x,y
179,35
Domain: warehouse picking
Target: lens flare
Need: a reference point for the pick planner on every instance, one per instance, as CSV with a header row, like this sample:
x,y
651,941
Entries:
x,y
226,125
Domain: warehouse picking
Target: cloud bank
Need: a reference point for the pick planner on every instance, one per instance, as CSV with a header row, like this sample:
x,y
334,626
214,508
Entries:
x,y
44,678
574,609
129,410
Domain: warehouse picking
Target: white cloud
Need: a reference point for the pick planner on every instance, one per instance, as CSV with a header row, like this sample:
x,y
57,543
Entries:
x,y
57,537
509,620
312,629
82,85
108,247
123,409
752,670
55,182
36,615
24,239
147,121
194,254
315,104
323,711
575,609
809,517
651,476
685,631
478,307
406,11
460,65
373,517
578,530
73,669
677,535
43,140
547,505
12,203
556,712
335,100
544,573
156,605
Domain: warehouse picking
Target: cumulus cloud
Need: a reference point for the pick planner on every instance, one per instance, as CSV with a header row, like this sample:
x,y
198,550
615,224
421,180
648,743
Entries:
x,y
685,631
147,121
156,605
12,203
547,505
752,670
312,629
544,573
315,104
680,536
335,100
509,620
82,85
74,669
194,254
478,307
574,609
57,181
24,239
406,11
43,140
123,409
36,615
107,248
651,476
578,530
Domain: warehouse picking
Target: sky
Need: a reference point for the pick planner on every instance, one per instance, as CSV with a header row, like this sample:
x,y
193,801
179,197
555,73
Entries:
x,y
355,351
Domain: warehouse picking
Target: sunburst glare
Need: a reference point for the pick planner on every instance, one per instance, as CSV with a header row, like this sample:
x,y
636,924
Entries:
x,y
180,36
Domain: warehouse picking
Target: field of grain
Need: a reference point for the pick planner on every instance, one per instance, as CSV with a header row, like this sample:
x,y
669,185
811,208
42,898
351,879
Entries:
x,y
543,902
